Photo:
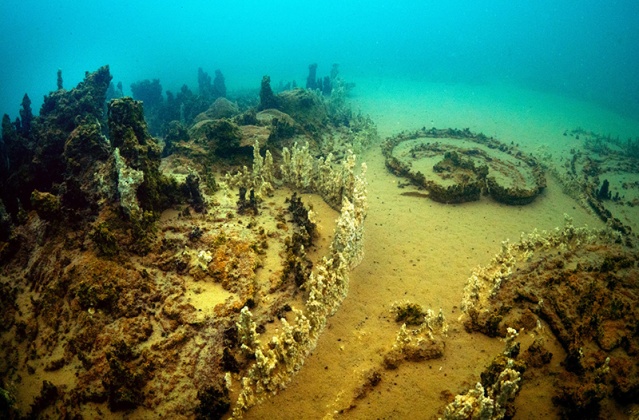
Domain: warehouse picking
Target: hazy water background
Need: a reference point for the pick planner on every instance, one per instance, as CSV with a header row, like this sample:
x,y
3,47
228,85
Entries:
x,y
587,49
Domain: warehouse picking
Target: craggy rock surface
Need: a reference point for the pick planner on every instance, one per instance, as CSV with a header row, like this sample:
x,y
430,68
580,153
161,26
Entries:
x,y
585,286
47,155
133,330
123,276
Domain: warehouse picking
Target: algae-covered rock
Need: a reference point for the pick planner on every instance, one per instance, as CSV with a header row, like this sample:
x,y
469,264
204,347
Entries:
x,y
128,132
129,180
219,136
175,133
139,169
280,125
46,204
35,147
306,107
214,402
126,377
221,108
267,97
252,133
61,113
84,145
5,224
105,240
582,284
409,313
88,180
472,164
267,117
15,157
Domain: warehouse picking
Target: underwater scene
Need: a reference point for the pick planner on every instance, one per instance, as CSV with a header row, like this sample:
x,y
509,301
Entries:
x,y
342,210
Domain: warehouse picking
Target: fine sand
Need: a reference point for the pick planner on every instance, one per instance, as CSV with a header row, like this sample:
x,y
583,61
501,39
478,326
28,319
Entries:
x,y
423,251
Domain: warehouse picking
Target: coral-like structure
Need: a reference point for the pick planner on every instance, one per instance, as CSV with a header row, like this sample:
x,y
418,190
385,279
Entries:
x,y
247,335
582,283
59,81
328,122
327,286
474,404
311,80
485,282
149,92
487,402
324,85
297,265
219,86
299,170
331,181
492,398
26,117
183,106
129,180
260,178
422,343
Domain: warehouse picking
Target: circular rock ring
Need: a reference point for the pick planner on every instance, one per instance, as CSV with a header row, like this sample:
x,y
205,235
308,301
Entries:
x,y
456,166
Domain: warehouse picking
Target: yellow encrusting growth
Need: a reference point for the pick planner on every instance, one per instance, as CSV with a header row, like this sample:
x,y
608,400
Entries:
x,y
327,285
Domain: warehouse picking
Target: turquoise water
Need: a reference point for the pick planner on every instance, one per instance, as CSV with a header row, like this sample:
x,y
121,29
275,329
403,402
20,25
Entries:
x,y
586,49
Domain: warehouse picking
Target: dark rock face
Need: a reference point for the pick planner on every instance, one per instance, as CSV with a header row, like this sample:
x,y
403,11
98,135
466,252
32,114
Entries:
x,y
45,156
174,133
128,132
61,113
267,97
221,137
67,154
127,128
211,91
15,156
87,178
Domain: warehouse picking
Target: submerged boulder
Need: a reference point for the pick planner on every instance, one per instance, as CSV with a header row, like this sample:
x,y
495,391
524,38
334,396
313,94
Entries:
x,y
219,136
221,108
306,107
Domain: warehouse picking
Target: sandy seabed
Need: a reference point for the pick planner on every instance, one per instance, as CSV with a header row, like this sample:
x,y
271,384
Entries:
x,y
423,251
